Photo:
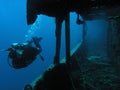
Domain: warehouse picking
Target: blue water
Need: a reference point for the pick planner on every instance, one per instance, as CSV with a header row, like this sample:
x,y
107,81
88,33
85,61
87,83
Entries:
x,y
14,28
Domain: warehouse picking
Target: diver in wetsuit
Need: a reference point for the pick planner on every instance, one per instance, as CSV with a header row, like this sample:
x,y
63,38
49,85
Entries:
x,y
23,54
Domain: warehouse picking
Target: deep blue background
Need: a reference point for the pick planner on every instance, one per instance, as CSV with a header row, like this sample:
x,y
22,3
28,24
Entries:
x,y
13,28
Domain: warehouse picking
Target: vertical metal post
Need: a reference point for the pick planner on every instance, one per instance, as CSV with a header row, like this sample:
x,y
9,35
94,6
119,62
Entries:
x,y
84,42
58,39
67,37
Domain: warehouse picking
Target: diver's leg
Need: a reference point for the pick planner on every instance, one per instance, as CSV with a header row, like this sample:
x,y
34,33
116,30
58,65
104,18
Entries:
x,y
58,39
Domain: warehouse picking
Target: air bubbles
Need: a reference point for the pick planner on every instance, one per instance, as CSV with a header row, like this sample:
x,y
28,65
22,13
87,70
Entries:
x,y
32,31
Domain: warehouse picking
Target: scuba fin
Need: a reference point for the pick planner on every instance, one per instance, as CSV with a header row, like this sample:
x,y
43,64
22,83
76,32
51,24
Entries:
x,y
41,57
8,49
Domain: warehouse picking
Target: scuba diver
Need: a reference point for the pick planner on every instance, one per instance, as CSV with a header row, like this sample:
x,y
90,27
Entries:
x,y
23,54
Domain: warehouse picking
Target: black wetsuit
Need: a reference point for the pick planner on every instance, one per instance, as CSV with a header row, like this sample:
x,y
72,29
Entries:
x,y
28,55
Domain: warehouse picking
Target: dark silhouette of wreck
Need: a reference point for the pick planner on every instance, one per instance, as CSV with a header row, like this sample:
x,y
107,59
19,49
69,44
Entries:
x,y
77,71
